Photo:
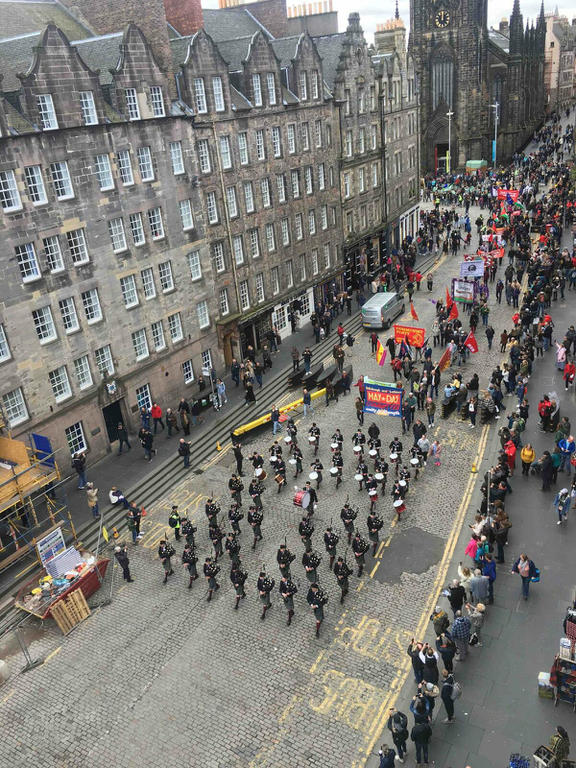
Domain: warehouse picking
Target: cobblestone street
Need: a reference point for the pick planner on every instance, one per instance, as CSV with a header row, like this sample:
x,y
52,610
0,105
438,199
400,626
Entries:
x,y
161,673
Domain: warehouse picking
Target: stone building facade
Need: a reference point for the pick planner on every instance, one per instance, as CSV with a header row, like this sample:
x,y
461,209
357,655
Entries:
x,y
560,62
462,67
166,198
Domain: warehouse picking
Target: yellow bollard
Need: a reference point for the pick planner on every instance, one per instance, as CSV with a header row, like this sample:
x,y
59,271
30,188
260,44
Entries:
x,y
218,446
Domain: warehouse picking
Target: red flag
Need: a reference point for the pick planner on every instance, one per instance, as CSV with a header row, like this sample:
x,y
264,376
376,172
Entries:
x,y
413,312
471,343
448,299
453,312
445,360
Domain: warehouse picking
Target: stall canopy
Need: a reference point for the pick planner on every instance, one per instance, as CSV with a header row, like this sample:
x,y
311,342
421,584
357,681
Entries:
x,y
474,165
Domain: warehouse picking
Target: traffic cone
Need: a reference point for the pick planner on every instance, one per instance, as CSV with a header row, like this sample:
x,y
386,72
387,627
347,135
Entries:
x,y
218,446
115,533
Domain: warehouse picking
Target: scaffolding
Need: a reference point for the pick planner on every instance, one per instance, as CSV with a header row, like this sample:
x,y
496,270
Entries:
x,y
29,508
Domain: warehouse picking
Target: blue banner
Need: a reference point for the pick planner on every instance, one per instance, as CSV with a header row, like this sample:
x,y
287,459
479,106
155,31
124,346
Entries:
x,y
382,399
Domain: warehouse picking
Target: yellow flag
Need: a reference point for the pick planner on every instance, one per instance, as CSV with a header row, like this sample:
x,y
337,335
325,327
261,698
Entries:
x,y
105,534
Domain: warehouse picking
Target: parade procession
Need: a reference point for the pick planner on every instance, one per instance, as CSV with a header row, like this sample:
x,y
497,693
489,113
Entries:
x,y
287,385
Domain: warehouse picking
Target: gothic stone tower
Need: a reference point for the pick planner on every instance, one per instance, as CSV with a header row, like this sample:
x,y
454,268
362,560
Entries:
x,y
449,44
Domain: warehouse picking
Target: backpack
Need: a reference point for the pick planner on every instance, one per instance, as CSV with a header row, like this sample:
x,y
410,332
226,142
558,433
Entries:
x,y
399,725
456,691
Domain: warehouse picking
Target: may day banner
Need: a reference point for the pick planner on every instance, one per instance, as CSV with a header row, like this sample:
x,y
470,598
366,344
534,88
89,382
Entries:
x,y
414,336
383,399
504,194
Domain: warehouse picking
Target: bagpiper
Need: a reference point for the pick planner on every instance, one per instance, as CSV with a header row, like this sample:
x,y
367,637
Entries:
x,y
265,585
255,517
306,529
348,515
238,577
256,489
165,552
233,548
235,515
342,570
359,547
284,557
311,561
212,510
287,591
236,487
317,599
331,540
189,561
374,524
216,535
211,570
188,531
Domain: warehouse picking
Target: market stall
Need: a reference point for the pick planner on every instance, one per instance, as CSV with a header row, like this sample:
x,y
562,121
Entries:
x,y
66,569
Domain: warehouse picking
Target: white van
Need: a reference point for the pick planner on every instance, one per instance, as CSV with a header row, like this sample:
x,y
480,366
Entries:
x,y
380,310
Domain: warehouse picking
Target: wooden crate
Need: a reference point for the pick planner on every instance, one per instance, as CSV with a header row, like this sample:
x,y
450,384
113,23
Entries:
x,y
69,612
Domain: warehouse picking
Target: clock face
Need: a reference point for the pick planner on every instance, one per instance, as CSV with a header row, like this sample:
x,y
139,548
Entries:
x,y
442,19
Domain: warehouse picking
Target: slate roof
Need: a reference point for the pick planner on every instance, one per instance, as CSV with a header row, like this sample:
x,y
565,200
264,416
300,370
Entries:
x,y
234,51
285,49
230,23
20,18
330,48
101,53
16,56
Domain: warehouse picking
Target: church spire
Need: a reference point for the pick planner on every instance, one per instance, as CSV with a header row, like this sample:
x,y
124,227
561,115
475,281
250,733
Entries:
x,y
516,30
397,12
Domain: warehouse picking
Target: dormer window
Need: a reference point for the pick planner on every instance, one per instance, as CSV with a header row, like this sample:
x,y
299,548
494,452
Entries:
x,y
256,91
271,85
157,101
46,112
89,116
132,103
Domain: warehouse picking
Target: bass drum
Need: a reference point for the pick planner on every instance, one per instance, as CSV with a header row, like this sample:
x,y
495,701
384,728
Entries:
x,y
301,499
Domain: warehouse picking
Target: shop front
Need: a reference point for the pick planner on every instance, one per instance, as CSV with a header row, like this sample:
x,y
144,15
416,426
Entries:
x,y
409,223
302,305
364,259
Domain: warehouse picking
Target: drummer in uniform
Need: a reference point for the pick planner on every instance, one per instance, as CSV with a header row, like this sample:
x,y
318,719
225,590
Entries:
x,y
297,458
330,542
338,437
257,460
381,468
404,474
292,430
313,497
361,473
280,476
375,444
316,469
275,449
359,441
342,570
306,529
396,451
338,462
348,515
314,432
372,488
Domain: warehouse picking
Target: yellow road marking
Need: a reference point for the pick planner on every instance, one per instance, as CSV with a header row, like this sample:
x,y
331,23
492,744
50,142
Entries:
x,y
55,652
318,660
9,696
360,586
380,548
25,570
374,570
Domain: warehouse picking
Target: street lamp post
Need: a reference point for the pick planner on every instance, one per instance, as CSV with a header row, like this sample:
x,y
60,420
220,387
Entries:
x,y
449,115
495,107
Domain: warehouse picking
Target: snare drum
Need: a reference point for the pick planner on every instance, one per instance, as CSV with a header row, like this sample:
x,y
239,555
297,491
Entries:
x,y
402,483
415,462
373,493
260,474
273,459
301,499
333,471
357,449
334,446
379,476
292,461
287,439
372,452
313,475
311,439
358,477
394,458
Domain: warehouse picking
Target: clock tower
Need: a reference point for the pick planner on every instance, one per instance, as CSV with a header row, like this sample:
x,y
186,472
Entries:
x,y
449,45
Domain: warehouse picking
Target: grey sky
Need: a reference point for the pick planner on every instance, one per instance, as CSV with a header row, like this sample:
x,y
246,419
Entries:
x,y
372,13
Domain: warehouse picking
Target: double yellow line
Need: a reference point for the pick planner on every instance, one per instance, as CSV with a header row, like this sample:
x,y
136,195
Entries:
x,y
400,679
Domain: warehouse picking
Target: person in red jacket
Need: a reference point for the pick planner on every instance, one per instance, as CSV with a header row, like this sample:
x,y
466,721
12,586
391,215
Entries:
x,y
569,373
156,413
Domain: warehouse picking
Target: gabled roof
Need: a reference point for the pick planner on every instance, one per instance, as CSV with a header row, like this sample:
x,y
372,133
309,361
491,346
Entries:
x,y
330,47
20,17
230,23
285,49
234,52
16,56
101,53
